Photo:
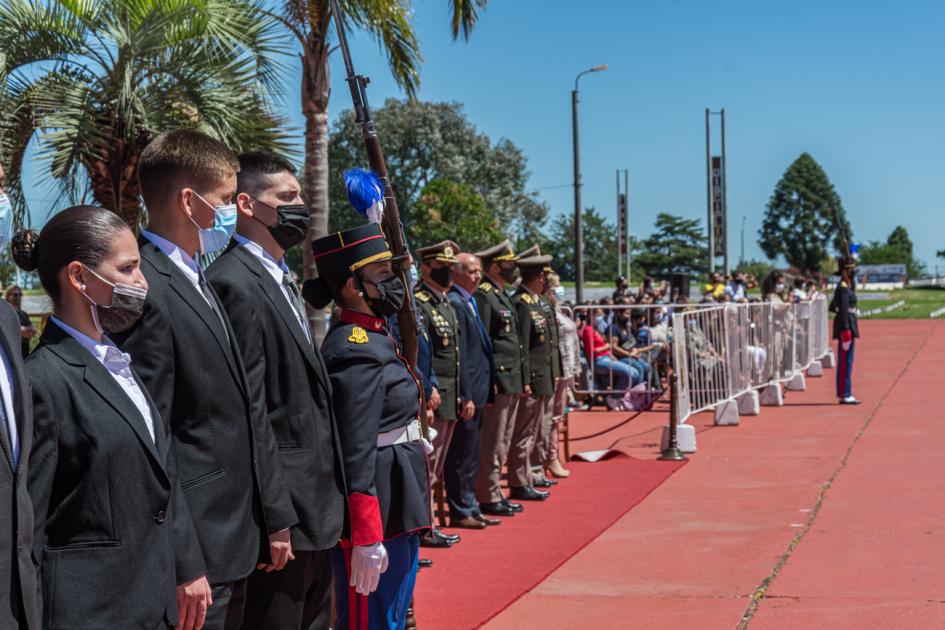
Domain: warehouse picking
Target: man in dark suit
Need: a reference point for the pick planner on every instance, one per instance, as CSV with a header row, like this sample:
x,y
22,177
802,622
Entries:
x,y
186,353
17,574
287,372
462,458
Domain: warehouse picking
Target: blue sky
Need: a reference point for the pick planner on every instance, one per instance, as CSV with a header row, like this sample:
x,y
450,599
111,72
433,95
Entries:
x,y
857,85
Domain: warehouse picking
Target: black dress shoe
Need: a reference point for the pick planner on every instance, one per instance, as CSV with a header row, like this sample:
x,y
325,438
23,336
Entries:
x,y
527,493
488,521
424,563
496,509
541,482
434,541
452,538
515,507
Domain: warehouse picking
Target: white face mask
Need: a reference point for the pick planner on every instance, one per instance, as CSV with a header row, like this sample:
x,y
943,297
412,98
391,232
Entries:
x,y
558,292
779,287
216,237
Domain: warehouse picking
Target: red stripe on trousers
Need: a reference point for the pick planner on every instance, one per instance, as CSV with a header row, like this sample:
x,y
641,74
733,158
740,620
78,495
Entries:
x,y
363,600
352,594
842,373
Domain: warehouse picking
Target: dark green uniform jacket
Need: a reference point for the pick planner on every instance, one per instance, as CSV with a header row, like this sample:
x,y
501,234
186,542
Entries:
x,y
535,331
501,322
440,321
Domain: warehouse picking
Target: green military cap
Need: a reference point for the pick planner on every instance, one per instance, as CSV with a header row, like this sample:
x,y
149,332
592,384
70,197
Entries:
x,y
501,252
535,262
534,250
444,251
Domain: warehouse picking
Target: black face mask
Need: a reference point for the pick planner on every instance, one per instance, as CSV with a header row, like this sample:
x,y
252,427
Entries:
x,y
391,298
508,272
291,225
443,276
124,310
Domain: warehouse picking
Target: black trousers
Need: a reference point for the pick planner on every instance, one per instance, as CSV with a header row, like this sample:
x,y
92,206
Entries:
x,y
296,598
462,466
229,602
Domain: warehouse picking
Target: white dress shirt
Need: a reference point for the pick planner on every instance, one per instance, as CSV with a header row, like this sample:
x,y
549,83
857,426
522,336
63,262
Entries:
x,y
279,271
118,365
181,259
6,388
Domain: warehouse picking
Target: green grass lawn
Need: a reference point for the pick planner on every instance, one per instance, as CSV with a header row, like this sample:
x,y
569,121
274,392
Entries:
x,y
919,303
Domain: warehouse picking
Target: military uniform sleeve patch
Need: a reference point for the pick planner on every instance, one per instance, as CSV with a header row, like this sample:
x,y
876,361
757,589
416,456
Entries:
x,y
358,335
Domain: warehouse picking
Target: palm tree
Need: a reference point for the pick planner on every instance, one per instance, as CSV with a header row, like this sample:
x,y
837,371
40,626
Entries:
x,y
389,23
95,80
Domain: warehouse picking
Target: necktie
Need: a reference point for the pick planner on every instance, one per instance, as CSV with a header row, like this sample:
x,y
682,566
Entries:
x,y
483,335
297,304
205,289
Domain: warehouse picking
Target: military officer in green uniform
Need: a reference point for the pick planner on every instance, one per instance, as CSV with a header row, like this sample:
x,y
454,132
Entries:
x,y
436,271
510,365
535,331
544,431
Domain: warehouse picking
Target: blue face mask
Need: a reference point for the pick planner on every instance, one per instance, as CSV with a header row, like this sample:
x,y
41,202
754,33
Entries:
x,y
216,237
559,293
6,220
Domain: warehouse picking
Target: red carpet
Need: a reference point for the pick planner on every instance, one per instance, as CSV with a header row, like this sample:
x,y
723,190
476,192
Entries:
x,y
486,572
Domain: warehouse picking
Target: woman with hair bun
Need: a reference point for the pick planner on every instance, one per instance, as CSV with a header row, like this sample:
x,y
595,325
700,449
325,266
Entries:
x,y
101,475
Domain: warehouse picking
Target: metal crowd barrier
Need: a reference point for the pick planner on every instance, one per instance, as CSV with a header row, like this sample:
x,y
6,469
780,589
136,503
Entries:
x,y
725,351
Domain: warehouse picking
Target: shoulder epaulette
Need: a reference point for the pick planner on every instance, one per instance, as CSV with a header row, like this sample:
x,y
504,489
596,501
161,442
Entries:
x,y
486,287
423,296
843,283
527,298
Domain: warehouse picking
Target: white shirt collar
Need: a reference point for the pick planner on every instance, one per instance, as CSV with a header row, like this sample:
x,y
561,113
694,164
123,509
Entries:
x,y
184,261
276,268
105,351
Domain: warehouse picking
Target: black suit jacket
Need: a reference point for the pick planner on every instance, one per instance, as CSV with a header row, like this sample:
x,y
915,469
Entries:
x,y
475,356
288,374
17,574
228,465
104,493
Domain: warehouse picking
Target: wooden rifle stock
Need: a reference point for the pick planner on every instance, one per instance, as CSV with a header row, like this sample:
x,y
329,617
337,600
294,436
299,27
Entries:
x,y
391,224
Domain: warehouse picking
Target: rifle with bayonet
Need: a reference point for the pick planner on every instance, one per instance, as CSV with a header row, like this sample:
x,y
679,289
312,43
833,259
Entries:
x,y
391,223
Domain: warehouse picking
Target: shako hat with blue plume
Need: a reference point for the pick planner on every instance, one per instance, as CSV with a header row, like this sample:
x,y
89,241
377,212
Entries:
x,y
343,253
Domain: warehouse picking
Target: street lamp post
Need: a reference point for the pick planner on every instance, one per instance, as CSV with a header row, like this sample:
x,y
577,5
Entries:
x,y
741,258
578,226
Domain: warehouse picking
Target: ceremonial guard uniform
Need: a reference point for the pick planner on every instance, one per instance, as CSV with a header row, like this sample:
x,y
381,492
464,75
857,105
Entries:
x,y
443,330
376,398
510,364
845,330
535,331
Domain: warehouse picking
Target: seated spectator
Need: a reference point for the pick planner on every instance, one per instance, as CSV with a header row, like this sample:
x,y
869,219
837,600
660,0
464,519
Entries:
x,y
623,286
739,286
622,345
798,294
772,287
614,374
715,286
605,316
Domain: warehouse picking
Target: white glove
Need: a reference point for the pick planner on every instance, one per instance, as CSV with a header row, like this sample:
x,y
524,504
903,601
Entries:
x,y
846,345
367,564
427,446
431,434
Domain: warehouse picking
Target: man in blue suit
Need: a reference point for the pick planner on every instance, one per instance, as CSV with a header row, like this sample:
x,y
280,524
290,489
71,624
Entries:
x,y
475,362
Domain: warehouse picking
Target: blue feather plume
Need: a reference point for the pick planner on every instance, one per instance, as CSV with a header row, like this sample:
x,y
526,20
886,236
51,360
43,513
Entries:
x,y
366,193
